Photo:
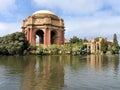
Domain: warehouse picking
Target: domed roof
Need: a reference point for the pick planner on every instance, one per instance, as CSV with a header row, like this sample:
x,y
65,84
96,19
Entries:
x,y
43,12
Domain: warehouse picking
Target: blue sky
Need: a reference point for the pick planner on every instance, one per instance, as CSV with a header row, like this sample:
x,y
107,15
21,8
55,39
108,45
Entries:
x,y
82,18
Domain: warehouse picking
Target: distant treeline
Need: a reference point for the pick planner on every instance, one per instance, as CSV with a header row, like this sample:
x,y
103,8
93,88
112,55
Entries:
x,y
77,46
14,44
17,44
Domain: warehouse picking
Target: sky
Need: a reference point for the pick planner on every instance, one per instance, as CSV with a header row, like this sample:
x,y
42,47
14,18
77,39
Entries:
x,y
82,18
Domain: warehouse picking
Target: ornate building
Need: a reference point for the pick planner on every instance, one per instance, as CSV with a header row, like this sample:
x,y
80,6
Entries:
x,y
95,44
45,25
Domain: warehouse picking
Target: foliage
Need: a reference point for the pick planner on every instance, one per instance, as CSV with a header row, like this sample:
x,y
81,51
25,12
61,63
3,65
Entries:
x,y
75,46
78,46
75,40
60,49
39,50
104,46
115,46
85,40
13,44
97,38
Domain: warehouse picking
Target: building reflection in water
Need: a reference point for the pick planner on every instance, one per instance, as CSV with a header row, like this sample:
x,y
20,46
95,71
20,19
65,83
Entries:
x,y
50,72
43,73
56,72
103,62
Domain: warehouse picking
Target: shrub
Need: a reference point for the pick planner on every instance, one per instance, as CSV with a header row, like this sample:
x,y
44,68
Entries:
x,y
13,44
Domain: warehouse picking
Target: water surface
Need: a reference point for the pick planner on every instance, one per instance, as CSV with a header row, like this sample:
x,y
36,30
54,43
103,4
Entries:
x,y
91,72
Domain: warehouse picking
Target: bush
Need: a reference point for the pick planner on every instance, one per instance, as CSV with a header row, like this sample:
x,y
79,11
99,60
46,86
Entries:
x,y
39,50
13,44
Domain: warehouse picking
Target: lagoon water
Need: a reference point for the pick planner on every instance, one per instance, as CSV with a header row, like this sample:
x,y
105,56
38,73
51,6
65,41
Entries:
x,y
90,72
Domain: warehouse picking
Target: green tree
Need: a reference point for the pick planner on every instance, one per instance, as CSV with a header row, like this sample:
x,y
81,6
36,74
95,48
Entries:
x,y
85,40
13,44
115,46
77,45
104,46
97,38
74,40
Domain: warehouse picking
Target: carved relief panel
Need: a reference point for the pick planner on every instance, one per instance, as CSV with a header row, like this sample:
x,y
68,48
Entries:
x,y
38,21
47,20
42,21
55,22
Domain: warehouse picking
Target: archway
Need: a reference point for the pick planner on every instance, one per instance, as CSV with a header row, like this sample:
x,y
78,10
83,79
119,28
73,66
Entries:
x,y
53,37
46,28
39,37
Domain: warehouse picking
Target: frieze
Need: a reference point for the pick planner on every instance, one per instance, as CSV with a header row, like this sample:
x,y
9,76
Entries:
x,y
47,20
38,21
46,23
55,22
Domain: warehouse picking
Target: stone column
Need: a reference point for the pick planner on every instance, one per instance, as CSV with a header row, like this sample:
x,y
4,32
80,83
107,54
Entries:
x,y
49,37
27,36
45,37
58,38
62,37
87,47
34,40
30,35
91,48
96,48
99,46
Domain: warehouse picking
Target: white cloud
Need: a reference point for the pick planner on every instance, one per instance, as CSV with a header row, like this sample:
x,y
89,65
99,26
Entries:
x,y
92,27
6,6
8,28
96,22
88,18
71,6
79,6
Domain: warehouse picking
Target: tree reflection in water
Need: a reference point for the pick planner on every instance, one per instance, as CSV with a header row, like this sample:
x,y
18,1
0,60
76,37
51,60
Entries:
x,y
59,72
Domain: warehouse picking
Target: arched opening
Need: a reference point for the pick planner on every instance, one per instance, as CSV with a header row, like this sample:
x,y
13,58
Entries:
x,y
53,37
39,37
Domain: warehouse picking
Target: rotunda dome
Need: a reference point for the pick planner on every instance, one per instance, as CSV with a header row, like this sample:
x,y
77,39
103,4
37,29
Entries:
x,y
43,12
